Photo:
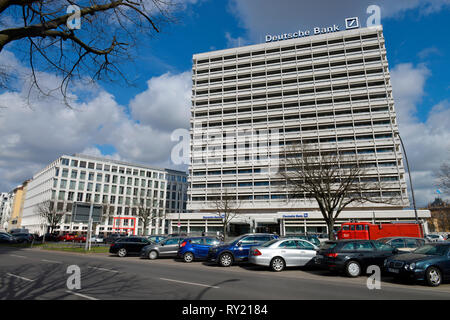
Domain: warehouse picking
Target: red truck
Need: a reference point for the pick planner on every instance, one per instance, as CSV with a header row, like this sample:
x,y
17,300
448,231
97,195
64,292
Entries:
x,y
370,231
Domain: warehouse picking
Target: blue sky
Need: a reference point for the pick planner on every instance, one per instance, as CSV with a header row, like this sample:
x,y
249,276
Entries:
x,y
136,123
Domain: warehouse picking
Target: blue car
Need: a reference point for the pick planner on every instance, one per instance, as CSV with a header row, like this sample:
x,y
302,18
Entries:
x,y
431,263
237,249
196,248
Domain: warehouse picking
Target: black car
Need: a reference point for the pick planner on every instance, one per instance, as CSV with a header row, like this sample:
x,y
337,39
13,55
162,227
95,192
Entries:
x,y
128,245
430,262
6,238
353,256
49,237
23,237
114,237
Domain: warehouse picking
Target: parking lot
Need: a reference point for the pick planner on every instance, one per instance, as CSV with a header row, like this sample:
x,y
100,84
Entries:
x,y
41,274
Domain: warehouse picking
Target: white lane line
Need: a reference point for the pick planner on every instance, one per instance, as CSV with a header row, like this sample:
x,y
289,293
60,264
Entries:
x,y
192,283
51,261
81,295
103,269
16,255
13,275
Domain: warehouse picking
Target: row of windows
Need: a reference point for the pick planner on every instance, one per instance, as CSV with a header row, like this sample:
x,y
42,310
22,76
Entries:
x,y
97,198
288,106
300,128
279,183
285,93
257,144
378,194
287,59
108,178
346,86
107,167
216,172
288,48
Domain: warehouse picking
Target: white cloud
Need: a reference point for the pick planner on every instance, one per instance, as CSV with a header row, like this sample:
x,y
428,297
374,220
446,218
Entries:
x,y
427,142
33,136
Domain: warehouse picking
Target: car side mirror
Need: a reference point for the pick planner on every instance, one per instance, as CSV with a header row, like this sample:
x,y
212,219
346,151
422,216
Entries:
x,y
238,244
395,250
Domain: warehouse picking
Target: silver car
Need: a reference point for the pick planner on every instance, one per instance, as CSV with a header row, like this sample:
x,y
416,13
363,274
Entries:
x,y
280,253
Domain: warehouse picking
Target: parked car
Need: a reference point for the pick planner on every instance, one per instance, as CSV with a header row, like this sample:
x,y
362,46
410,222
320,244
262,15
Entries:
x,y
280,253
67,237
404,244
434,237
430,262
23,237
97,239
196,248
128,245
156,238
165,248
114,237
353,256
7,238
237,249
311,238
79,238
51,237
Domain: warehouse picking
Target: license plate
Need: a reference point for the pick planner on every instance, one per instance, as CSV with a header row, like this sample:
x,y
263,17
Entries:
x,y
393,270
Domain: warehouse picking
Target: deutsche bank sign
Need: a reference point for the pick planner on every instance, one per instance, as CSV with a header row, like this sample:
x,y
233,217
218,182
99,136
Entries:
x,y
350,23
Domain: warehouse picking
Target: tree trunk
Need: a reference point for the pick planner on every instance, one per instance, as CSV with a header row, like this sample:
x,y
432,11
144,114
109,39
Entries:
x,y
330,224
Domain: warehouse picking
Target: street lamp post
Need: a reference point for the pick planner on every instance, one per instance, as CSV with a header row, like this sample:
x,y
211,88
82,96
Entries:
x,y
410,179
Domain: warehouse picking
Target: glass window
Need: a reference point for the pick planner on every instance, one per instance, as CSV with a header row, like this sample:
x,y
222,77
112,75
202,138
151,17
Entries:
x,y
398,243
171,241
211,241
411,243
83,175
288,244
248,240
348,247
196,241
382,246
304,245
363,246
65,173
74,174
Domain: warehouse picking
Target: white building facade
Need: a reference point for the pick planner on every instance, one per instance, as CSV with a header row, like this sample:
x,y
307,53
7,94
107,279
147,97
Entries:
x,y
117,184
329,91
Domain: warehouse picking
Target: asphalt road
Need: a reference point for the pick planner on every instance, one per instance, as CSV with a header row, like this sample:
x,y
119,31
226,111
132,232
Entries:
x,y
40,274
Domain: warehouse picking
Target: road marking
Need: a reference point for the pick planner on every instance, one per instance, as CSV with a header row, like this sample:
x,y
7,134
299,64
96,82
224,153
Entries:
x,y
103,269
51,261
16,255
81,295
13,275
194,284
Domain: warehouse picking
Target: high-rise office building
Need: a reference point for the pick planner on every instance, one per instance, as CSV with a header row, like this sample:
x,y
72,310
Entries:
x,y
325,92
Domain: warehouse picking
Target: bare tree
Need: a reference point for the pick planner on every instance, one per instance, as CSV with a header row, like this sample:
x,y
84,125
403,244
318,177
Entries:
x,y
146,211
227,207
334,180
86,40
444,177
47,210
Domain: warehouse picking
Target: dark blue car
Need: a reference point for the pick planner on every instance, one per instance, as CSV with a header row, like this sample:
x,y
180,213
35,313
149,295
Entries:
x,y
196,248
431,263
237,249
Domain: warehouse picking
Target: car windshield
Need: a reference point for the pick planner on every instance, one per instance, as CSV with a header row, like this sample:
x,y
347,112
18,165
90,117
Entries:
x,y
432,250
269,243
328,245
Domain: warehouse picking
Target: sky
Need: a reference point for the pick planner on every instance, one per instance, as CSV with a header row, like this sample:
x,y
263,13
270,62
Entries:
x,y
135,123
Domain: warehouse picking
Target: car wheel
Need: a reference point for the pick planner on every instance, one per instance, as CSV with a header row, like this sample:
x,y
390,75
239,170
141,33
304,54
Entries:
x,y
188,257
277,264
433,276
353,269
226,260
122,252
152,255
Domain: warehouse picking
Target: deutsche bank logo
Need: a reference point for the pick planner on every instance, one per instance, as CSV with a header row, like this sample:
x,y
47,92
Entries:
x,y
352,23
